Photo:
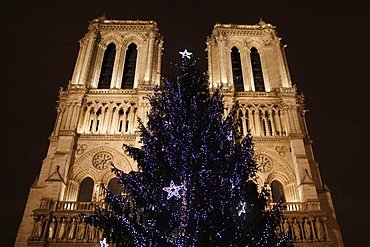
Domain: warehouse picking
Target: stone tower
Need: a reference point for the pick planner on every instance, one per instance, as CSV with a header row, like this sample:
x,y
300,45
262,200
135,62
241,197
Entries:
x,y
117,63
249,63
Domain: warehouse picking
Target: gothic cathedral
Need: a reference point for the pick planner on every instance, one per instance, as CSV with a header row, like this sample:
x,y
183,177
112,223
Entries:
x,y
117,64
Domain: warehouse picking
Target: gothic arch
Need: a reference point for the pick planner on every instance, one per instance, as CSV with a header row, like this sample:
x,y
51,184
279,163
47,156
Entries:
x,y
237,44
284,174
279,176
85,162
72,192
126,43
86,190
139,42
289,173
289,187
106,62
236,59
126,117
130,67
107,176
258,72
115,187
108,39
259,46
252,106
84,173
277,191
105,40
128,40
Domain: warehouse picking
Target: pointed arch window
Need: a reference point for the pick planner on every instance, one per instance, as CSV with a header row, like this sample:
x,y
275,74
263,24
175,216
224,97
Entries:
x,y
236,66
107,67
86,190
130,67
259,84
114,187
277,191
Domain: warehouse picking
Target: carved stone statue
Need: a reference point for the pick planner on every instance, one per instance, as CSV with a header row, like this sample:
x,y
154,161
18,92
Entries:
x,y
101,232
72,230
286,226
319,230
307,230
81,230
91,232
296,231
40,226
62,230
52,228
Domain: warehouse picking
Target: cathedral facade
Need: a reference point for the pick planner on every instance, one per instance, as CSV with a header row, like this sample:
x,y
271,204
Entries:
x,y
117,64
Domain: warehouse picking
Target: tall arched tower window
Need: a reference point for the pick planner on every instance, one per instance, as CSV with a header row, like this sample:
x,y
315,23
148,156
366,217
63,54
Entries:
x,y
130,66
114,187
86,190
236,66
277,191
259,85
107,67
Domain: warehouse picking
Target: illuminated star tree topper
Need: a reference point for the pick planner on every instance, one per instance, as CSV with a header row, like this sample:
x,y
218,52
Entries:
x,y
186,54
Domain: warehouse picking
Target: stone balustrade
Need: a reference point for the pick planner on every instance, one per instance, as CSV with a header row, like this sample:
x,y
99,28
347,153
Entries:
x,y
300,206
60,222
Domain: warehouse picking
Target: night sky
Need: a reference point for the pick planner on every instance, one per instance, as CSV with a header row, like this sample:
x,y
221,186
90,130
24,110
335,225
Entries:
x,y
328,55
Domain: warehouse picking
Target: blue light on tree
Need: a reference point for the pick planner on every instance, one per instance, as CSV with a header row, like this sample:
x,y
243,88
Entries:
x,y
196,171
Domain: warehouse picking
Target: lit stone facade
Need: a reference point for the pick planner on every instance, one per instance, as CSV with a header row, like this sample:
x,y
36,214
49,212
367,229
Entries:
x,y
117,64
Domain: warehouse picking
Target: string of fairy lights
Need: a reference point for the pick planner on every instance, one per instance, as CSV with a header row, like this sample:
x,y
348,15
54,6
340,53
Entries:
x,y
191,177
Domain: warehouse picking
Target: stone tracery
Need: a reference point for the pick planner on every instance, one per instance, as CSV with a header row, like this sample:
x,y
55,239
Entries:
x,y
265,120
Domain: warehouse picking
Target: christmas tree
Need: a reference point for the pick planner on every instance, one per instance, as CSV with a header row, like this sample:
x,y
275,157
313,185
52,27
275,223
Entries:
x,y
195,182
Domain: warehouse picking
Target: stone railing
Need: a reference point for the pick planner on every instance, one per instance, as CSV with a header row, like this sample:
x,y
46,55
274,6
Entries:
x,y
68,206
256,94
60,222
113,91
300,206
77,206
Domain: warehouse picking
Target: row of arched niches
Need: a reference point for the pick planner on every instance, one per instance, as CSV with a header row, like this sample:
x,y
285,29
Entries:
x,y
118,117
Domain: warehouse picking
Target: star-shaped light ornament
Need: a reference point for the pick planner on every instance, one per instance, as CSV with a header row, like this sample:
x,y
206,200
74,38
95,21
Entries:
x,y
174,190
241,208
185,54
104,243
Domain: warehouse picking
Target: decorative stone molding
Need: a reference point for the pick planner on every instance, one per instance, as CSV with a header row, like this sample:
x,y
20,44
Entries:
x,y
287,171
83,162
81,148
282,150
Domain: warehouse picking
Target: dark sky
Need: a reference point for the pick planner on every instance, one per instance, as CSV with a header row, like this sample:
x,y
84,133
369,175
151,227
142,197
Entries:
x,y
328,55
